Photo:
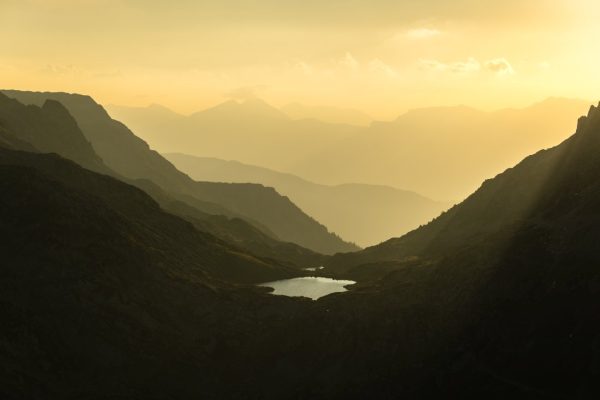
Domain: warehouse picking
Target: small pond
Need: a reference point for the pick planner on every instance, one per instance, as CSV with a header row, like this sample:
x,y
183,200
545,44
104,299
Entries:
x,y
311,287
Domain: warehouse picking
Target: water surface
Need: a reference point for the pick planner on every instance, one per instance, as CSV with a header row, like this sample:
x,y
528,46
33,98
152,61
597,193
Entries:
x,y
312,287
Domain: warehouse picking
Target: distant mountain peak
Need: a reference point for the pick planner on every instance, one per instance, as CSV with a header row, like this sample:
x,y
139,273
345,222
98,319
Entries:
x,y
584,120
250,108
594,110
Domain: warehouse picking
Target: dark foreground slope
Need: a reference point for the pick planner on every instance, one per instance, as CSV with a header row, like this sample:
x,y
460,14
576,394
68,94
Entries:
x,y
508,311
133,217
131,157
499,297
51,128
234,230
103,295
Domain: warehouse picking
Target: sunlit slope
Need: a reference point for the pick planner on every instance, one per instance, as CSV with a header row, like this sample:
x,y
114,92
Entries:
x,y
521,195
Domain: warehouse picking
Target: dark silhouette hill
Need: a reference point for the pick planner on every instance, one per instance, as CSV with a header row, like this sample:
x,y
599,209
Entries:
x,y
365,214
171,237
105,295
101,289
33,124
499,296
234,230
131,157
49,128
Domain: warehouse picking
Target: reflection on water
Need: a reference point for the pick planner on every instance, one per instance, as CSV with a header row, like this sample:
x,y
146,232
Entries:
x,y
311,287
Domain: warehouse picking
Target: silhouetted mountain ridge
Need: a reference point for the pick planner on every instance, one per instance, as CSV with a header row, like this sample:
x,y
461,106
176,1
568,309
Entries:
x,y
496,298
132,158
49,128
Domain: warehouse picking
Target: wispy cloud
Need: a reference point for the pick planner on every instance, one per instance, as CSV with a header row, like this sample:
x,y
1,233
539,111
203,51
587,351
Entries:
x,y
379,67
422,33
349,62
499,66
462,67
55,69
246,92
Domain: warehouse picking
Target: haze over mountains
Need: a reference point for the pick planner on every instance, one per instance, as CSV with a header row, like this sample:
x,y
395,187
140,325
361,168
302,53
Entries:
x,y
323,200
250,131
441,152
107,294
364,214
329,114
131,157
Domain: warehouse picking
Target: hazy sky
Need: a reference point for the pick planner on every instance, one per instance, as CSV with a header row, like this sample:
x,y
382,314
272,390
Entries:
x,y
381,56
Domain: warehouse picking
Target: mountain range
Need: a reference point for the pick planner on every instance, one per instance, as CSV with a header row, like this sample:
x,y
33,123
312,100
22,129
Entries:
x,y
131,157
250,131
106,294
444,152
439,152
364,214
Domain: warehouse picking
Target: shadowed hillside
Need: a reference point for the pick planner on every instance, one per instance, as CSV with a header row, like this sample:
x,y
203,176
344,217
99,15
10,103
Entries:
x,y
175,239
49,128
27,128
497,298
131,157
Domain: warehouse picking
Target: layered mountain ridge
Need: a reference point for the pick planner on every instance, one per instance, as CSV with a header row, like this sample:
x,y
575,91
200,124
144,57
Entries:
x,y
365,214
132,158
106,295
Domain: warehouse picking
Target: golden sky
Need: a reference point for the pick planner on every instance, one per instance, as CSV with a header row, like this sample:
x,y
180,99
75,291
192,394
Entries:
x,y
380,56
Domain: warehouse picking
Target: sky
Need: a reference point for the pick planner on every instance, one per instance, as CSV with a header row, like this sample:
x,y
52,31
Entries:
x,y
380,56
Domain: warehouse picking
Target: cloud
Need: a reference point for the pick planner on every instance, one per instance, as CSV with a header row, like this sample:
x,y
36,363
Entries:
x,y
379,67
246,92
304,67
459,67
62,70
499,66
422,33
349,62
